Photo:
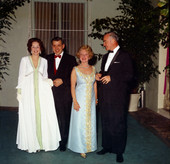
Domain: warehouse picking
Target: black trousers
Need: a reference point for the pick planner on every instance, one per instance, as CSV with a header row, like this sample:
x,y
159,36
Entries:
x,y
114,128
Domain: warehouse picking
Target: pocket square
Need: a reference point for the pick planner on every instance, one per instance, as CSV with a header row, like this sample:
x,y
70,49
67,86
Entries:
x,y
116,62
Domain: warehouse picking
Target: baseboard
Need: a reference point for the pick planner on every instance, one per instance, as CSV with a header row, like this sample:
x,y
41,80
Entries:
x,y
8,108
164,112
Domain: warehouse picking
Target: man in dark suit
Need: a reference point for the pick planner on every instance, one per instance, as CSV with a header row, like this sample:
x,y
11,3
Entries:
x,y
60,65
114,78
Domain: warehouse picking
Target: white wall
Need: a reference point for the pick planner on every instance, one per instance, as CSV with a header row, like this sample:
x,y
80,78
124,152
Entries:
x,y
18,36
151,94
161,77
16,46
154,90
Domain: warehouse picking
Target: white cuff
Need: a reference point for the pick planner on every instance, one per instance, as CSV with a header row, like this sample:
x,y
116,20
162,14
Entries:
x,y
49,81
18,97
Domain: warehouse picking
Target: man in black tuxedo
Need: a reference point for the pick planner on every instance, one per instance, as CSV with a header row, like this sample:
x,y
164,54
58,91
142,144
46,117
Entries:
x,y
114,78
60,65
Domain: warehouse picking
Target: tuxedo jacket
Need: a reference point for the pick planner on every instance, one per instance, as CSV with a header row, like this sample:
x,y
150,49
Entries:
x,y
121,73
62,94
113,101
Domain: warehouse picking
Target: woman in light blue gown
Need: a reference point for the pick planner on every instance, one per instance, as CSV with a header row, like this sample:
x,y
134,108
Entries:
x,y
82,132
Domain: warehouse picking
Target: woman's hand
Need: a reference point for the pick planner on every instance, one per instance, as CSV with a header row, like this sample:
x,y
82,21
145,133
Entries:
x,y
76,105
98,76
96,101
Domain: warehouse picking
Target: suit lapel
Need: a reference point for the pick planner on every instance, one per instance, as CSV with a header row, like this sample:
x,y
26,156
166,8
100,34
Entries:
x,y
114,58
61,65
51,66
104,61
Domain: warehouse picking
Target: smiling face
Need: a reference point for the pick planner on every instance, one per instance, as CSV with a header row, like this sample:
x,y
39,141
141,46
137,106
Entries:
x,y
57,47
84,56
35,48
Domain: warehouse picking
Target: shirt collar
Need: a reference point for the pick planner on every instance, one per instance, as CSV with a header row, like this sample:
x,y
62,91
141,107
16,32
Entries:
x,y
116,49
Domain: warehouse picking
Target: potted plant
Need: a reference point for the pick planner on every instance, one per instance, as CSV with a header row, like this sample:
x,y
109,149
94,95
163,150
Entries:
x,y
138,28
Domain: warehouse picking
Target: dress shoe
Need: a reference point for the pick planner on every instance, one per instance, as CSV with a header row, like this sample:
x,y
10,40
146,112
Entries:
x,y
62,148
83,155
102,152
119,158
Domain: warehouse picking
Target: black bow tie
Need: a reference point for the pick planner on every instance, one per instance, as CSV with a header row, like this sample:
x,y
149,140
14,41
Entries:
x,y
111,51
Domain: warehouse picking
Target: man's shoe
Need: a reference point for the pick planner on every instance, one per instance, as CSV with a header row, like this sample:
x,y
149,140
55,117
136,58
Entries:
x,y
62,148
119,158
102,152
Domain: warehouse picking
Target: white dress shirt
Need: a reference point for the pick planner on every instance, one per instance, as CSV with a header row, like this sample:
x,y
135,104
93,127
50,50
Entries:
x,y
57,61
110,58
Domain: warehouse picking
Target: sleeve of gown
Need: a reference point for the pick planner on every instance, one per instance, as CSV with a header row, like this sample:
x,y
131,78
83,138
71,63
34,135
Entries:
x,y
22,70
45,74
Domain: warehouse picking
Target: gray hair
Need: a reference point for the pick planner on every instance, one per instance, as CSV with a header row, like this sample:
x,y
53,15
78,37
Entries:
x,y
113,35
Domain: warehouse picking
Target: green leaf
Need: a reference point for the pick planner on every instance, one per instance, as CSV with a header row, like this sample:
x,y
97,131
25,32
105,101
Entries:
x,y
164,12
161,4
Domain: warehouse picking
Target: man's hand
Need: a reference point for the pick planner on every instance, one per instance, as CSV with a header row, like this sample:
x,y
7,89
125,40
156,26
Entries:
x,y
57,82
105,79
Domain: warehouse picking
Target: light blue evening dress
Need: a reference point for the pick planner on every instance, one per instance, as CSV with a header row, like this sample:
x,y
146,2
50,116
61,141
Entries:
x,y
82,132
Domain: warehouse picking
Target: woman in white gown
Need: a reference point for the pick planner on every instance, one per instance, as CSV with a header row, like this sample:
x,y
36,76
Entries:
x,y
37,125
82,132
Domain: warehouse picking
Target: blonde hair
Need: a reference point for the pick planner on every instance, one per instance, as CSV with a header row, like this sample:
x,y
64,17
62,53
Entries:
x,y
87,48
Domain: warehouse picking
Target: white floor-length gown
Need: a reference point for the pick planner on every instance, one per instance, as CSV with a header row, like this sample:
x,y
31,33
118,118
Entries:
x,y
37,125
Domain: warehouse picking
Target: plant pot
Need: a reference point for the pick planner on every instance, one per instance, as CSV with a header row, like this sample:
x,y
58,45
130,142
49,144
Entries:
x,y
133,104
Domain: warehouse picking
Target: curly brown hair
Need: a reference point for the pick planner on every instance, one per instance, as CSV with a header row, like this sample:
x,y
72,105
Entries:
x,y
29,45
